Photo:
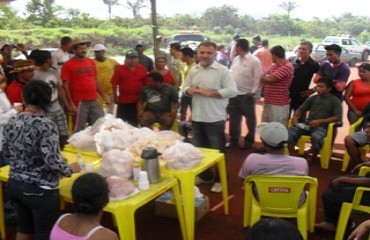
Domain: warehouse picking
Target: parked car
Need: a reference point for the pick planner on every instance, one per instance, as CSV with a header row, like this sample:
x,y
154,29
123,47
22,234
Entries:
x,y
319,54
350,44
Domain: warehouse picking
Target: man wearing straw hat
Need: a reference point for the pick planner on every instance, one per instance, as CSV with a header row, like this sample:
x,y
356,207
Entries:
x,y
80,83
24,70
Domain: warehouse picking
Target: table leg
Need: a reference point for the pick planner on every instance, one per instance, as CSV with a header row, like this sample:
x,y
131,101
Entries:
x,y
2,217
187,182
125,219
180,209
221,165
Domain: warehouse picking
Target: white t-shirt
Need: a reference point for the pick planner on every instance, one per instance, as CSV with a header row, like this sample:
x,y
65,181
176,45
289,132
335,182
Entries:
x,y
51,77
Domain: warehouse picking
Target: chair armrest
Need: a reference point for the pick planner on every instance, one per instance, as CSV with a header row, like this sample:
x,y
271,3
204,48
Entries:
x,y
353,126
358,194
363,171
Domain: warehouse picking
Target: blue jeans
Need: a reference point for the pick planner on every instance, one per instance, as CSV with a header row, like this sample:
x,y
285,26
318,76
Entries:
x,y
242,105
317,136
3,160
209,135
333,199
37,209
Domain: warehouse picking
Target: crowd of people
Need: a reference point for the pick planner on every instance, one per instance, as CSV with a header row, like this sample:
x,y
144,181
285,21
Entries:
x,y
205,87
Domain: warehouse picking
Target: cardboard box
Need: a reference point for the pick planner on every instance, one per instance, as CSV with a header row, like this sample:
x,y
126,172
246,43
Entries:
x,y
165,206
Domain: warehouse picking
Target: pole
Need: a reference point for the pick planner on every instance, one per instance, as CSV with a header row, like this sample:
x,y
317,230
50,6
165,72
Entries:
x,y
154,26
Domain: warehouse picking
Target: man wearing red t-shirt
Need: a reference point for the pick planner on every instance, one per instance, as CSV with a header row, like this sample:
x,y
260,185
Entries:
x,y
80,84
277,82
129,79
24,72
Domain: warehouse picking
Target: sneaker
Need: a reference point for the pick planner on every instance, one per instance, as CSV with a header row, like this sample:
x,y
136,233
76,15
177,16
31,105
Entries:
x,y
216,188
199,181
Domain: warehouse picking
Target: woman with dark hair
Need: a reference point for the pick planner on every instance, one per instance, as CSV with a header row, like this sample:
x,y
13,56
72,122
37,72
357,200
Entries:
x,y
358,93
273,229
168,76
31,143
90,195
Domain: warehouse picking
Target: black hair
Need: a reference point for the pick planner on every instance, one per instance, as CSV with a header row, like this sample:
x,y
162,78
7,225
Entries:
x,y
278,51
175,45
243,44
327,81
307,43
159,58
281,145
156,76
40,57
65,40
273,229
334,47
33,54
365,66
37,93
186,51
265,43
90,193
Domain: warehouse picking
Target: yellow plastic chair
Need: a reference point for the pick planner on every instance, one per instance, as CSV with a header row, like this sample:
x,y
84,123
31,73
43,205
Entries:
x,y
174,127
278,196
347,208
363,149
326,150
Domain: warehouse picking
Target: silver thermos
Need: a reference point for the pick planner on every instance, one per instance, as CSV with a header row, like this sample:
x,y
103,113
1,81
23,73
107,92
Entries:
x,y
151,164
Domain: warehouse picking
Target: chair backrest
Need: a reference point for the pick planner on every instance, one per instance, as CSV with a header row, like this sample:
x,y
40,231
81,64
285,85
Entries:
x,y
279,194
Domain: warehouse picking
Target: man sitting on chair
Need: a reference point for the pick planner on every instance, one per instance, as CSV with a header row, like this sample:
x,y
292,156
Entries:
x,y
324,108
158,103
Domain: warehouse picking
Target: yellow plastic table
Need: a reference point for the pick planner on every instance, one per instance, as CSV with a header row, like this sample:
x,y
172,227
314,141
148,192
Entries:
x,y
4,176
187,181
124,210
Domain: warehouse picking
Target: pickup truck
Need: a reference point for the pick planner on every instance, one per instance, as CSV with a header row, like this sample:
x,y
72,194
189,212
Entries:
x,y
350,44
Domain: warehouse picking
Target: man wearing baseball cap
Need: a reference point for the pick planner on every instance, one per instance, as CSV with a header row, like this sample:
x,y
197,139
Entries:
x,y
274,137
128,81
144,60
105,67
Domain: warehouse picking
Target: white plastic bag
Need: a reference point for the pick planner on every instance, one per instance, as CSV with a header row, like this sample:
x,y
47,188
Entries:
x,y
117,163
83,140
182,156
160,140
120,188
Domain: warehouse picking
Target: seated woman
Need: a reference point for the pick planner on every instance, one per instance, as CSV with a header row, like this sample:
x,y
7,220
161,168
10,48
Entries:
x,y
90,195
357,94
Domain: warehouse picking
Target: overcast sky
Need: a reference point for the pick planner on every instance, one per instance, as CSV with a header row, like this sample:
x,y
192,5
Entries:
x,y
257,8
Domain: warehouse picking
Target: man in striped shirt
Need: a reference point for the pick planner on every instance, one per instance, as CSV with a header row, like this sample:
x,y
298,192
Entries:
x,y
277,82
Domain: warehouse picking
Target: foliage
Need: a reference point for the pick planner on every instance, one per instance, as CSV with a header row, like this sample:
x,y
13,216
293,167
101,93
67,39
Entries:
x,y
44,23
110,3
135,6
288,7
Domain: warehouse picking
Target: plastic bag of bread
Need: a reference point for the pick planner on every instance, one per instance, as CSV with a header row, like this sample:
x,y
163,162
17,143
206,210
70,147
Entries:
x,y
117,163
160,140
83,140
113,139
120,188
182,156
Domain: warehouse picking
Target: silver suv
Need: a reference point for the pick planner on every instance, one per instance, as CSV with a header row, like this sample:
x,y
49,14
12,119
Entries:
x,y
350,44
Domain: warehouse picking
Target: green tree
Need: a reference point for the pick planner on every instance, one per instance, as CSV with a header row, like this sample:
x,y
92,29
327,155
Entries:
x,y
219,17
41,11
135,6
288,7
8,17
110,3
